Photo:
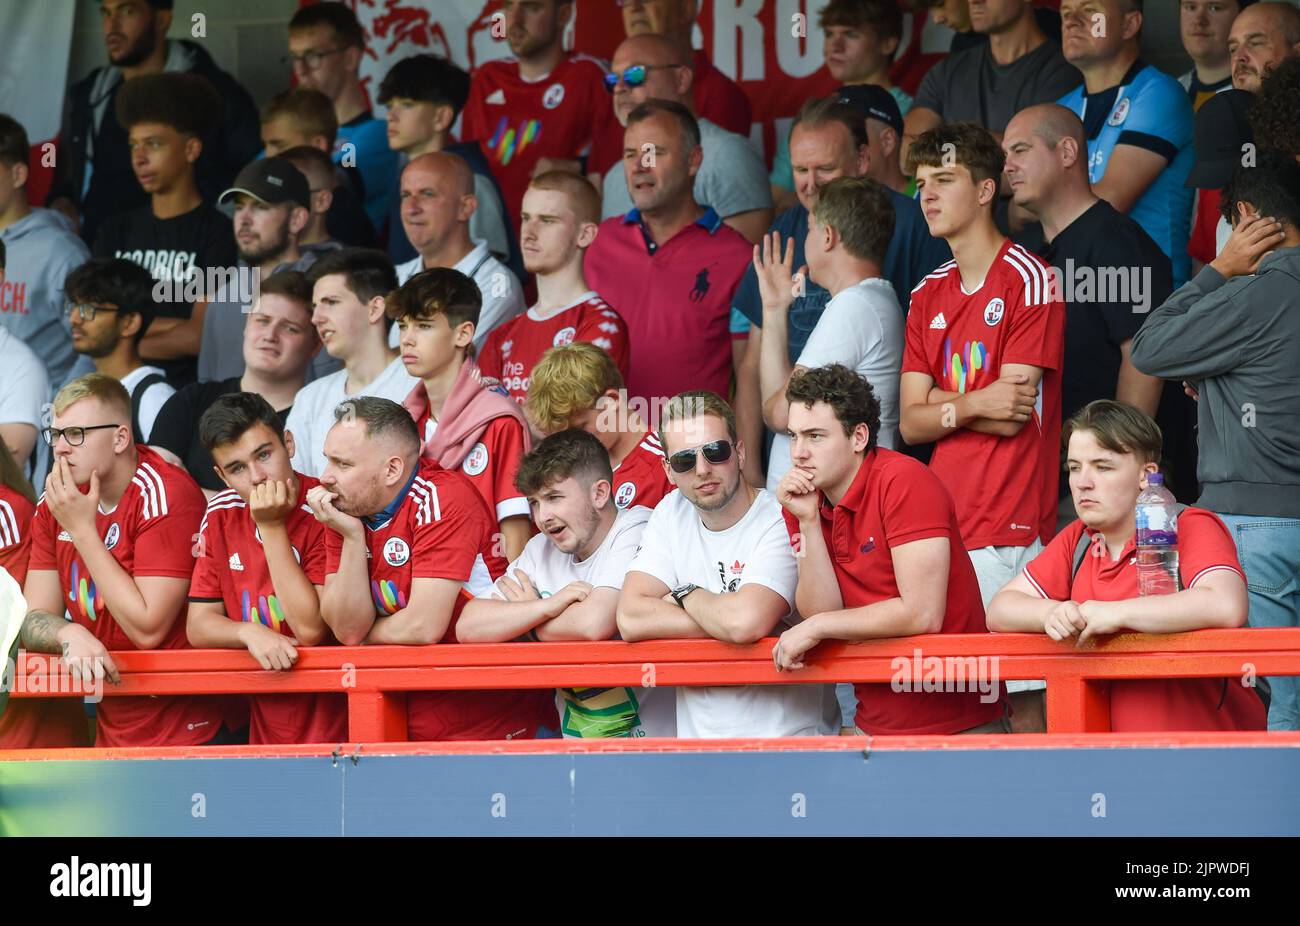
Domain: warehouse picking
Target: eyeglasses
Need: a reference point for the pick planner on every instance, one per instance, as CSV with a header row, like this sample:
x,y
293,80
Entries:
x,y
74,436
85,310
718,451
635,75
311,60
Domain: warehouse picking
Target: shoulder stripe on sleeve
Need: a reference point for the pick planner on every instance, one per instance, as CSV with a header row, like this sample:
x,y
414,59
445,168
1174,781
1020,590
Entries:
x,y
938,273
1033,272
223,496
1208,569
650,443
1034,583
9,534
1029,298
146,497
159,485
203,525
427,509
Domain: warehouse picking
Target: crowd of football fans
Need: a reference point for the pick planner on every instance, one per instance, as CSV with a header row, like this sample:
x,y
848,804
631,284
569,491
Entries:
x,y
548,353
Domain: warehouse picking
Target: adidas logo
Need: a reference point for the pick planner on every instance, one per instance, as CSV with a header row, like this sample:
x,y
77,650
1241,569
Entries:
x,y
940,323
64,535
496,98
235,564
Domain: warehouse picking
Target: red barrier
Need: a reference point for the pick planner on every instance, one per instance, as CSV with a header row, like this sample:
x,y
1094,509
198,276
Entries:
x,y
376,678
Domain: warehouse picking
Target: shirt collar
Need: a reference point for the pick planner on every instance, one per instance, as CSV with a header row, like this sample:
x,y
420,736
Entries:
x,y
376,521
856,496
710,221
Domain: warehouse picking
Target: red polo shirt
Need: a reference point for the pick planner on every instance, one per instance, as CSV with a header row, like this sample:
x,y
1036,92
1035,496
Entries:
x,y
895,500
675,299
1155,705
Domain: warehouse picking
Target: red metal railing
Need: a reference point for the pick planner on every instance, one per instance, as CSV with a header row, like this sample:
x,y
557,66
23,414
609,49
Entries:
x,y
376,678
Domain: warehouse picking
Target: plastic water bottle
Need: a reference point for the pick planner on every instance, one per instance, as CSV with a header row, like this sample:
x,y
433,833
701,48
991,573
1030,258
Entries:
x,y
1157,539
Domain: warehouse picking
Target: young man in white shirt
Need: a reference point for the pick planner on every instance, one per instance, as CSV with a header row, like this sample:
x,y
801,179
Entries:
x,y
862,325
438,200
110,306
715,561
348,290
565,585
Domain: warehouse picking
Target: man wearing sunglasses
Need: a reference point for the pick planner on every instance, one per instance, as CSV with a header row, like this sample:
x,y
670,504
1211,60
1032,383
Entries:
x,y
715,561
732,178
112,546
109,309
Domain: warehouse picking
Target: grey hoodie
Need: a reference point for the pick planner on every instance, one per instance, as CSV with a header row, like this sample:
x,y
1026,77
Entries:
x,y
40,252
1238,342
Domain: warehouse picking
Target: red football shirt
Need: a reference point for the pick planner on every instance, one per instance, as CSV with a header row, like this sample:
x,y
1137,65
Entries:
x,y
675,300
1203,245
32,723
491,464
895,500
233,570
1155,705
442,529
516,346
518,121
1005,488
640,479
151,532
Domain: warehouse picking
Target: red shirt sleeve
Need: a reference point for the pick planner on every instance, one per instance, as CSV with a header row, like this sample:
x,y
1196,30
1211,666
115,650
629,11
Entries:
x,y
333,551
447,548
1037,333
42,551
313,552
914,505
206,582
609,333
472,123
1050,571
505,443
15,535
1204,545
1205,226
914,359
166,545
489,358
606,149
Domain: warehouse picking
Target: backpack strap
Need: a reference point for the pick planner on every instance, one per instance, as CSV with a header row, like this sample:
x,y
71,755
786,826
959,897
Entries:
x,y
137,396
1084,541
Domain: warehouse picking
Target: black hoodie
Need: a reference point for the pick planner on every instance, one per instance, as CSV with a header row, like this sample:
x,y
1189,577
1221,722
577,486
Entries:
x,y
91,139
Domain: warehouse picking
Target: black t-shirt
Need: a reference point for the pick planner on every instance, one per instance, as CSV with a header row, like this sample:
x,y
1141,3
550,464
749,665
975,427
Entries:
x,y
170,249
177,427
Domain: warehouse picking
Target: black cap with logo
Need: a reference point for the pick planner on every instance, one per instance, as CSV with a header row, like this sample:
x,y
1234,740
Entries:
x,y
874,103
271,180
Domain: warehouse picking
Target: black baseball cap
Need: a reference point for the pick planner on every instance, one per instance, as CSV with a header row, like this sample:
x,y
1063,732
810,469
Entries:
x,y
1220,132
271,180
874,103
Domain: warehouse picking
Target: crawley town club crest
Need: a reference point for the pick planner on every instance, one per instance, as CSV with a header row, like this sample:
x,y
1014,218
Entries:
x,y
993,311
396,551
476,460
624,494
564,336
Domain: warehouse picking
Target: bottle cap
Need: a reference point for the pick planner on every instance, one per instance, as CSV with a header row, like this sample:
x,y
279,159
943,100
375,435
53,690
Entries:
x,y
1156,479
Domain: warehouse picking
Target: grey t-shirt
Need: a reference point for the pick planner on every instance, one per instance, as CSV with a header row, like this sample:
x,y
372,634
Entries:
x,y
732,177
971,87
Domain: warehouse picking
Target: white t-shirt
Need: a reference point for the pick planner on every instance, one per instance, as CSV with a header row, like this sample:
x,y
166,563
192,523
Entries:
x,y
503,297
154,398
676,548
862,328
24,392
312,415
599,712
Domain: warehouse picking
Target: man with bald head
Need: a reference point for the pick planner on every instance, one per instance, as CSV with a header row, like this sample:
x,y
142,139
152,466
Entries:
x,y
1110,272
731,179
437,196
1262,37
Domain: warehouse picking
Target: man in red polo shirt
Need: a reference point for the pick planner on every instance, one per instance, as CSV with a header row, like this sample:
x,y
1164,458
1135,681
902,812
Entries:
x,y
261,566
879,556
112,546
670,266
408,545
542,107
1085,583
579,386
561,212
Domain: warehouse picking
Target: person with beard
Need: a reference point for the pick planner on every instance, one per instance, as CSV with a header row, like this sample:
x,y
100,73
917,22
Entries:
x,y
1262,37
279,343
271,201
92,178
565,584
715,562
438,202
178,236
560,214
539,110
462,424
409,543
110,307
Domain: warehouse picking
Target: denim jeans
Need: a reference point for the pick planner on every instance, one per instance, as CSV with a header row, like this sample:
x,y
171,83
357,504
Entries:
x,y
1269,550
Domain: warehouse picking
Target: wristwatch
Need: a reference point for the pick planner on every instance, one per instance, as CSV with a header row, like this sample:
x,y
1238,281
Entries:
x,y
679,594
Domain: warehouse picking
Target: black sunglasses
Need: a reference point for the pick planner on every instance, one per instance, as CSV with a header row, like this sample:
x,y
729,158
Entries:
x,y
718,451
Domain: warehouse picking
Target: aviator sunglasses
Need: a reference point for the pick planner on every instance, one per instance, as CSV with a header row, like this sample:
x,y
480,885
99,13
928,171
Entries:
x,y
718,451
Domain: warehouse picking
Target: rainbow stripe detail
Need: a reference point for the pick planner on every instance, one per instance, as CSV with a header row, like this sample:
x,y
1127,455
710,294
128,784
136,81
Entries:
x,y
83,593
267,611
388,600
507,141
961,370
